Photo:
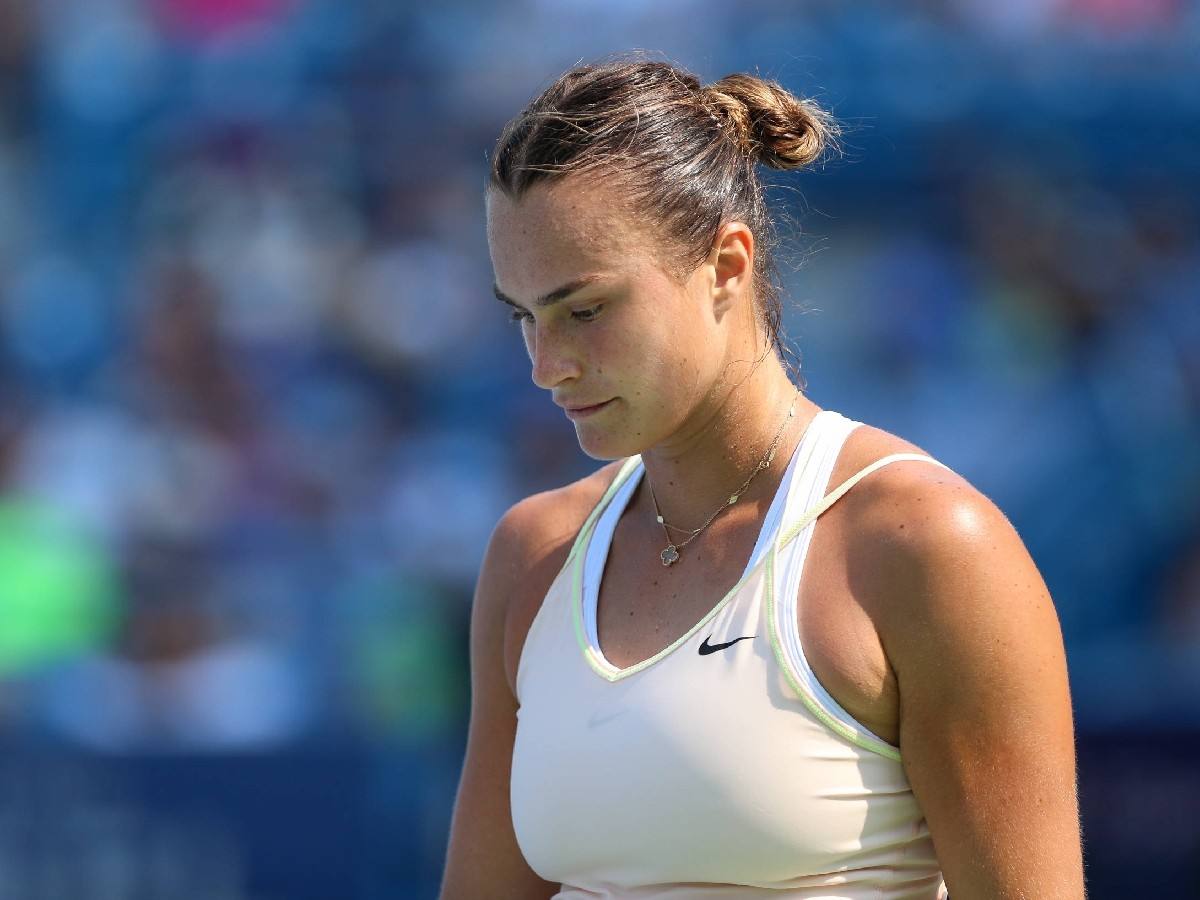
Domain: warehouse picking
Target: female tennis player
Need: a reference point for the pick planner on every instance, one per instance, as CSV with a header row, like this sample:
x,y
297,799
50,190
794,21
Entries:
x,y
683,689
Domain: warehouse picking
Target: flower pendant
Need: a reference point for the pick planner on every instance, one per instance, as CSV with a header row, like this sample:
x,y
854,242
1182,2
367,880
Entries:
x,y
669,555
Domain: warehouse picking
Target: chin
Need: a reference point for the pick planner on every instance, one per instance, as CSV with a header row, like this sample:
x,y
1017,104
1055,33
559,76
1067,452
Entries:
x,y
600,448
604,445
606,437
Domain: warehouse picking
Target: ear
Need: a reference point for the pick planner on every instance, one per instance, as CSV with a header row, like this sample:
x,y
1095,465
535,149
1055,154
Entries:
x,y
732,258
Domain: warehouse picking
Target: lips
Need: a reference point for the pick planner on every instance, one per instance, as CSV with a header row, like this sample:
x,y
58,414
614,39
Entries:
x,y
575,406
575,411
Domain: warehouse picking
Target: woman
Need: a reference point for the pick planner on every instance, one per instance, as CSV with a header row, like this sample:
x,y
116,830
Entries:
x,y
662,706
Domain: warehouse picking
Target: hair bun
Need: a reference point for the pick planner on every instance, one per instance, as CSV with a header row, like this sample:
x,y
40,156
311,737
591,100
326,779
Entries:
x,y
771,124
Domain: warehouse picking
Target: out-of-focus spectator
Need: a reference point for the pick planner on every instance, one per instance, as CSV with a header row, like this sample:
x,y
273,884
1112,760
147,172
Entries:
x,y
259,411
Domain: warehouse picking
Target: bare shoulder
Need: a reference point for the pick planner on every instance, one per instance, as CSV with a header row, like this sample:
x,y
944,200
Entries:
x,y
942,571
912,523
892,483
528,547
970,631
907,504
935,563
913,511
541,524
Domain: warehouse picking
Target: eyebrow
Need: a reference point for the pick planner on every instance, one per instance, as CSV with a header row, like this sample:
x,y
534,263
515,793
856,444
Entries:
x,y
554,296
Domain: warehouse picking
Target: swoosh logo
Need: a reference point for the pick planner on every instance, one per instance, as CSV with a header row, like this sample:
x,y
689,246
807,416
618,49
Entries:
x,y
707,648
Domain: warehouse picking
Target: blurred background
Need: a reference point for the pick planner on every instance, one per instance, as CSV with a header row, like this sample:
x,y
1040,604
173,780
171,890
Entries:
x,y
259,412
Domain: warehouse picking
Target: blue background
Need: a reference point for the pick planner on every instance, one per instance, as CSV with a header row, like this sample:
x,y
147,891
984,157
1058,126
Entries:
x,y
259,412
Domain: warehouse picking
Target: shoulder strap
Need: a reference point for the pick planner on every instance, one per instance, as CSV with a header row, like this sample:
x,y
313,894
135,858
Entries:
x,y
622,473
833,496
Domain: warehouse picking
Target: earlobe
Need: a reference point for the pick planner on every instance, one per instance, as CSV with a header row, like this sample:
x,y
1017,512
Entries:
x,y
731,259
723,300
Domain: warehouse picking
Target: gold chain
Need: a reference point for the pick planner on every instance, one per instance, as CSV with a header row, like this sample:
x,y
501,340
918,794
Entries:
x,y
671,553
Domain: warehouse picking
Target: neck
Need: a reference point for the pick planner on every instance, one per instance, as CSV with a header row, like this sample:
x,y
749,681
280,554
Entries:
x,y
722,442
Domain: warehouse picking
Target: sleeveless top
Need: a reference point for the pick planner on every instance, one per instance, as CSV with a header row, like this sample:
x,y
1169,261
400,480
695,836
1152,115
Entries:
x,y
702,774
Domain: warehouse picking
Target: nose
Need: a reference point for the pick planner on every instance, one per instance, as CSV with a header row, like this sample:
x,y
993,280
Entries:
x,y
553,361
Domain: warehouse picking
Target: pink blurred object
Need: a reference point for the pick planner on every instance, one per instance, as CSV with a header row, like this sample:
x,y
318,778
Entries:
x,y
1121,15
205,19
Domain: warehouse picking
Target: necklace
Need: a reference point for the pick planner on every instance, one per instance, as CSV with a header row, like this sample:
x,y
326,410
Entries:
x,y
671,553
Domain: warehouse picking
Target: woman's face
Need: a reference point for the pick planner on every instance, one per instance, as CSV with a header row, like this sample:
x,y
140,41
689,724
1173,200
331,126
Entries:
x,y
603,324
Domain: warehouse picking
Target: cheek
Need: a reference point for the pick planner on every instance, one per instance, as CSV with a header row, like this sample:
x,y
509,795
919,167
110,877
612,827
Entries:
x,y
655,358
609,351
659,374
671,354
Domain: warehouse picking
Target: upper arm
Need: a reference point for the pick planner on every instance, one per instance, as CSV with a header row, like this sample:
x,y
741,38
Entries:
x,y
483,858
986,733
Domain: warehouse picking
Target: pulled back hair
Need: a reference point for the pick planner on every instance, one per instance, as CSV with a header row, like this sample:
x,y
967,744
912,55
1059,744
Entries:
x,y
683,155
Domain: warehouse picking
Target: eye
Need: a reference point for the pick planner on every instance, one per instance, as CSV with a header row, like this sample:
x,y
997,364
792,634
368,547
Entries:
x,y
517,316
588,315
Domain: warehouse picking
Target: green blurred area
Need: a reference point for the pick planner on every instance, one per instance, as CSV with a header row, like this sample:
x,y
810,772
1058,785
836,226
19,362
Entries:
x,y
59,594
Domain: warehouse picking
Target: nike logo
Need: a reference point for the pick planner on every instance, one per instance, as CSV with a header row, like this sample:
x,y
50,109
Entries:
x,y
707,648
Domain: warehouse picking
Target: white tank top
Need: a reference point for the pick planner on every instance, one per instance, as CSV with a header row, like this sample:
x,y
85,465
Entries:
x,y
703,774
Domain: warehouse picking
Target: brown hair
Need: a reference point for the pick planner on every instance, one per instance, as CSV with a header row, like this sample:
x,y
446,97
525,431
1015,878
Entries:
x,y
683,154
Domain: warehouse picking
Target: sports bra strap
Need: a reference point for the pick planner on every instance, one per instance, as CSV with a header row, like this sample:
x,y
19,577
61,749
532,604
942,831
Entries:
x,y
827,501
622,473
833,496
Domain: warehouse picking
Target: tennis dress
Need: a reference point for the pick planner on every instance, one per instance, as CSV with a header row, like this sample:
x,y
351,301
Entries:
x,y
702,773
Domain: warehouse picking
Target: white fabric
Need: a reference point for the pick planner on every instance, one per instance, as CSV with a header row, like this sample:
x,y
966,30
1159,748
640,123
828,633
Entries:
x,y
726,775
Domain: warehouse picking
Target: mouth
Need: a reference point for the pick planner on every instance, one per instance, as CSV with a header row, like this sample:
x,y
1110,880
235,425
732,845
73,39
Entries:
x,y
582,412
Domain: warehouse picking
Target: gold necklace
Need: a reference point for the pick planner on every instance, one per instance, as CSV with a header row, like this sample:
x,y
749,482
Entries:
x,y
671,553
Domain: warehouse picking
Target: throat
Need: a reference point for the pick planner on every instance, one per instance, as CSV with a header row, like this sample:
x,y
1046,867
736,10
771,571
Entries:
x,y
682,502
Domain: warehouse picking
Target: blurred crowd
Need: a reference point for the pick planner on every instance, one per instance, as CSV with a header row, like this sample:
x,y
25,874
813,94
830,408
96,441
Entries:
x,y
258,413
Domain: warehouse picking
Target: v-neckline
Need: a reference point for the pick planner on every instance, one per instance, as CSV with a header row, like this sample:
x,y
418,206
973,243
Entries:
x,y
592,651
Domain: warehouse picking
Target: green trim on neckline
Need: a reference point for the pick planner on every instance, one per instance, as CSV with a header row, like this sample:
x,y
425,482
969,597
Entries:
x,y
576,560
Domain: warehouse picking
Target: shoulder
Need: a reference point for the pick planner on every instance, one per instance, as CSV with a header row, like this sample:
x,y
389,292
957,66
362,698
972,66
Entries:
x,y
527,549
970,631
543,526
913,522
942,571
908,508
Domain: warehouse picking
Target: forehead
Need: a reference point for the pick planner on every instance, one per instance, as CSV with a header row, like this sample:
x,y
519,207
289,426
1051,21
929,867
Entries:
x,y
558,231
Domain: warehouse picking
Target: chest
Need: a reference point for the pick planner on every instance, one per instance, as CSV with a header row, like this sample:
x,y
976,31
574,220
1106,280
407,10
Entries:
x,y
701,768
644,607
